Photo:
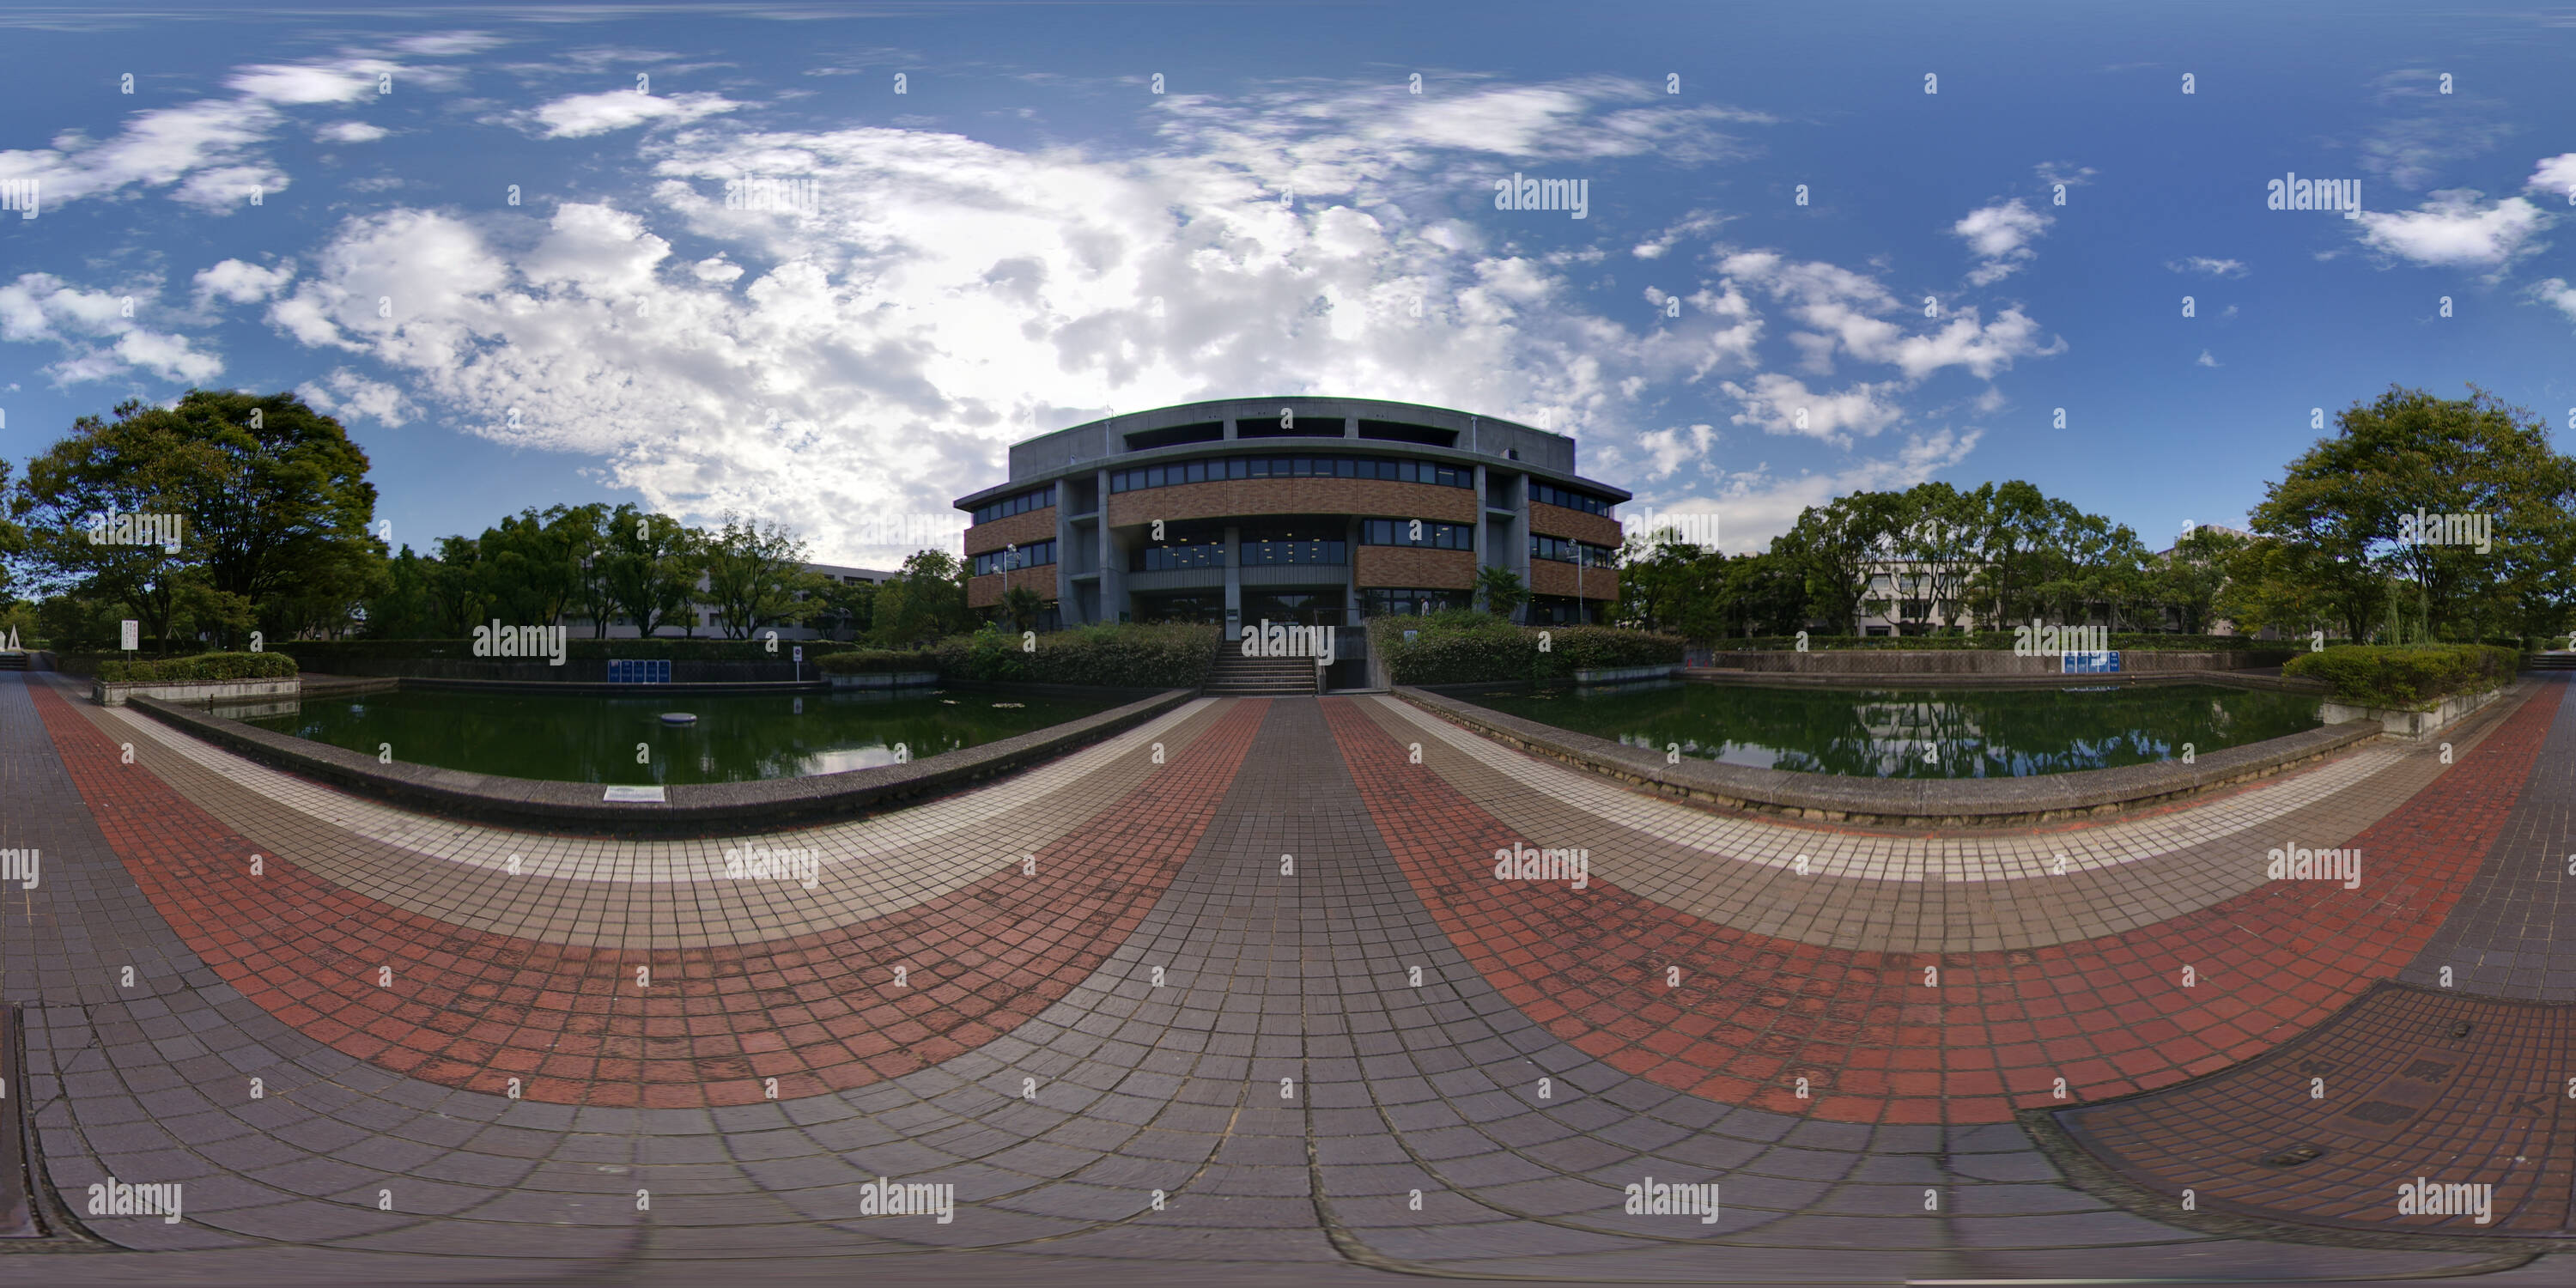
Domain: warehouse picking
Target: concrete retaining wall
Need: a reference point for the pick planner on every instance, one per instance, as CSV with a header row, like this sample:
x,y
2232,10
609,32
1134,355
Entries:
x,y
2401,723
115,695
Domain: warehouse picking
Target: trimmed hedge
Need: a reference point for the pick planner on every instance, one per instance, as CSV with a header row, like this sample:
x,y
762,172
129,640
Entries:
x,y
201,668
2125,641
320,654
2412,677
1471,648
1171,655
876,661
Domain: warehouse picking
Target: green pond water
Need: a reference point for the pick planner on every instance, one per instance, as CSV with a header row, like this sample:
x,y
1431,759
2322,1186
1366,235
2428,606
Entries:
x,y
738,736
1925,733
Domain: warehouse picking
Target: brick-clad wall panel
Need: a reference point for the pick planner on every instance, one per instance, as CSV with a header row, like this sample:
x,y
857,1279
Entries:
x,y
1557,521
1373,497
1411,566
1018,530
1548,577
986,591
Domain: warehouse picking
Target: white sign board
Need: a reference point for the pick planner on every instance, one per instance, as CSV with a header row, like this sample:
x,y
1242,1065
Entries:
x,y
800,653
645,795
133,638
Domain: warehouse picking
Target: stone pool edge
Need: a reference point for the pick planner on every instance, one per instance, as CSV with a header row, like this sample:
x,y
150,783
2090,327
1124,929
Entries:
x,y
693,809
1908,802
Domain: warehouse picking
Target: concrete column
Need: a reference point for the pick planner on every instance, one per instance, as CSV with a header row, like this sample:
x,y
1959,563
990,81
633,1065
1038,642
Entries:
x,y
1229,429
1233,580
1350,426
1113,590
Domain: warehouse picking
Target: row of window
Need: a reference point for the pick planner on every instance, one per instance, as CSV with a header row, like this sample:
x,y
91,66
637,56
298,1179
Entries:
x,y
1416,532
1564,551
1389,601
1032,555
1021,504
1551,494
1291,467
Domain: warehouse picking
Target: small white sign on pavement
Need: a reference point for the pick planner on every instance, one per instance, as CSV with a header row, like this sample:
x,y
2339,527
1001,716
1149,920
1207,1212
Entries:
x,y
640,795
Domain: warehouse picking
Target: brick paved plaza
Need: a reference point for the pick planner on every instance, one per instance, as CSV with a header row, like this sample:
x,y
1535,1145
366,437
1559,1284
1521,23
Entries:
x,y
1236,996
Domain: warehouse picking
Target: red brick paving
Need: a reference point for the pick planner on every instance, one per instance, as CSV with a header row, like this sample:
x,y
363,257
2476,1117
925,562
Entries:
x,y
2110,1015
817,1012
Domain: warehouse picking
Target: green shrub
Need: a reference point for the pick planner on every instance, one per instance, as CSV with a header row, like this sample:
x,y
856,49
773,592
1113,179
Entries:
x,y
2124,641
1172,655
202,667
2410,677
1467,647
321,654
875,661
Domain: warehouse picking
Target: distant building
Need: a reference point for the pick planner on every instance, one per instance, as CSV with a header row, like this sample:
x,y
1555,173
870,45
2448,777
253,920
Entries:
x,y
1322,511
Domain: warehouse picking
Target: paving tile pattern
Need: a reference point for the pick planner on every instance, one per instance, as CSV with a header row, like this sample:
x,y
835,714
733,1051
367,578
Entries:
x,y
1056,1133
2409,1085
2514,933
1930,1038
669,1029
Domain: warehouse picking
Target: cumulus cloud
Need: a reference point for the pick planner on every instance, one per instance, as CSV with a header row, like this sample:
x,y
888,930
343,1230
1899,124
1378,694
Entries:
x,y
2000,235
2455,229
1756,505
240,282
2204,360
2554,175
1781,404
208,153
2208,265
577,116
2556,293
98,336
345,393
351,132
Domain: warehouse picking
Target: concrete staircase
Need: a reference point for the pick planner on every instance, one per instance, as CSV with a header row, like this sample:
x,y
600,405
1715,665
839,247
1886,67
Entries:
x,y
2552,662
1237,676
14,661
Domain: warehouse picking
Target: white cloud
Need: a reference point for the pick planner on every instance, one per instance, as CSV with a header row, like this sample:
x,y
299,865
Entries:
x,y
2204,360
2208,265
2556,293
1780,404
577,116
2000,234
241,282
1672,447
345,392
351,132
1756,506
99,340
2453,229
2554,175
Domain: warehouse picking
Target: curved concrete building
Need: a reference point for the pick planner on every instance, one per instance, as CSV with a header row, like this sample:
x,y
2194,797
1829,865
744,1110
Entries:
x,y
1322,511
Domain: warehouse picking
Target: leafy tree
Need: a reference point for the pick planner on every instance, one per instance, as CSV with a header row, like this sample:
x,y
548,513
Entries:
x,y
652,566
1501,590
1835,547
1022,605
752,574
2343,500
925,601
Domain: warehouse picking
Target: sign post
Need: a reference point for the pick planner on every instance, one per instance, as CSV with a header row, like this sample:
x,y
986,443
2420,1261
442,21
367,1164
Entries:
x,y
800,664
132,637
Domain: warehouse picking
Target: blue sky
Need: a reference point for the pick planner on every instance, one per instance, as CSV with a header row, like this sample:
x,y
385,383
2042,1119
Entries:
x,y
1029,236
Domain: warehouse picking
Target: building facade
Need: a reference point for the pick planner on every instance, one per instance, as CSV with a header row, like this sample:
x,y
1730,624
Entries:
x,y
1323,511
